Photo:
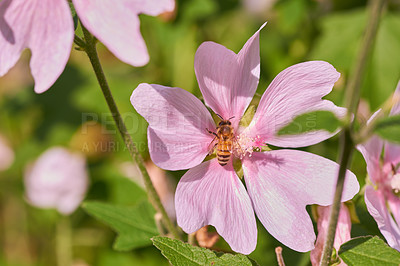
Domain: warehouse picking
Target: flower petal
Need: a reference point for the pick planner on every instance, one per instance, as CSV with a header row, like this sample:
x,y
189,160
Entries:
x,y
43,26
117,25
227,80
394,205
210,194
153,7
297,89
281,183
392,151
177,133
342,234
371,151
375,202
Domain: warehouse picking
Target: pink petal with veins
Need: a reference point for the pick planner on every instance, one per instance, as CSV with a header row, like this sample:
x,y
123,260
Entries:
x,y
177,133
117,25
43,26
282,182
376,205
210,194
227,80
296,90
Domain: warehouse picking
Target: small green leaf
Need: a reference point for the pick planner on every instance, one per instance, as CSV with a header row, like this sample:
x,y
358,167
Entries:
x,y
179,253
317,120
368,250
135,225
389,128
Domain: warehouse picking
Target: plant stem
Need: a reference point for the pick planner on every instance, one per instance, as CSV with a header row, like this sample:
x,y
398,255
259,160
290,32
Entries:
x,y
90,48
78,41
346,142
63,242
354,85
279,257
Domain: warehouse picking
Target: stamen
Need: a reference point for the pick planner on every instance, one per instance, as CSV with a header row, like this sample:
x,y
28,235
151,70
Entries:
x,y
247,145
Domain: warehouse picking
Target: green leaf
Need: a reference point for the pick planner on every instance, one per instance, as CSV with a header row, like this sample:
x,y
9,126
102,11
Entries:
x,y
368,250
389,128
135,225
317,120
179,253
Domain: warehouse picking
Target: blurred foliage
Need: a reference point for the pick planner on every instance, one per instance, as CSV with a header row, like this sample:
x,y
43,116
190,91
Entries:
x,y
135,225
297,30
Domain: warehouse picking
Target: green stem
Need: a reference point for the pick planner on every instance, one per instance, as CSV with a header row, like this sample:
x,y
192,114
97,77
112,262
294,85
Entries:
x,y
354,85
78,41
90,48
64,242
346,142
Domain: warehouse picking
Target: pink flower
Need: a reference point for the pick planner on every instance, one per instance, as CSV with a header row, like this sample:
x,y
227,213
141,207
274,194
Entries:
x,y
382,198
279,183
58,179
258,6
6,154
46,28
342,235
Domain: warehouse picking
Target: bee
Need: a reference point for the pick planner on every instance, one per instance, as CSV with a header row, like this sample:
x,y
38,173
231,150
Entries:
x,y
223,141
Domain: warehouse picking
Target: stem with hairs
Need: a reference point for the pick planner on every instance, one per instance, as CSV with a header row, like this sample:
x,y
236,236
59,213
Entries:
x,y
89,47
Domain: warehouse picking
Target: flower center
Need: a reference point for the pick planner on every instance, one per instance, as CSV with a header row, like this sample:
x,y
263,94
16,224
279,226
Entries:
x,y
247,145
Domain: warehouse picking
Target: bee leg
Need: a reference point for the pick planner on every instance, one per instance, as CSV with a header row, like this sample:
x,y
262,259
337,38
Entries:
x,y
212,133
212,149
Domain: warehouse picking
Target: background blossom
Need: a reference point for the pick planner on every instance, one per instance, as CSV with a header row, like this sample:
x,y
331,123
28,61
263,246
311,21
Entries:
x,y
58,179
46,28
382,198
342,235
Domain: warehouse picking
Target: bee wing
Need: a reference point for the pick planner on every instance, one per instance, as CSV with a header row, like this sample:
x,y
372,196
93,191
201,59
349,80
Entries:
x,y
212,145
236,142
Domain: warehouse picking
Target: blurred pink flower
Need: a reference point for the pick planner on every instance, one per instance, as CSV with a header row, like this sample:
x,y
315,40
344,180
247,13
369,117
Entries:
x,y
258,6
342,235
382,199
6,154
280,183
58,179
46,28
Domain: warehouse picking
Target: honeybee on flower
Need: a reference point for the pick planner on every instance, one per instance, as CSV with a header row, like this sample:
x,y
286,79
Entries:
x,y
224,141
